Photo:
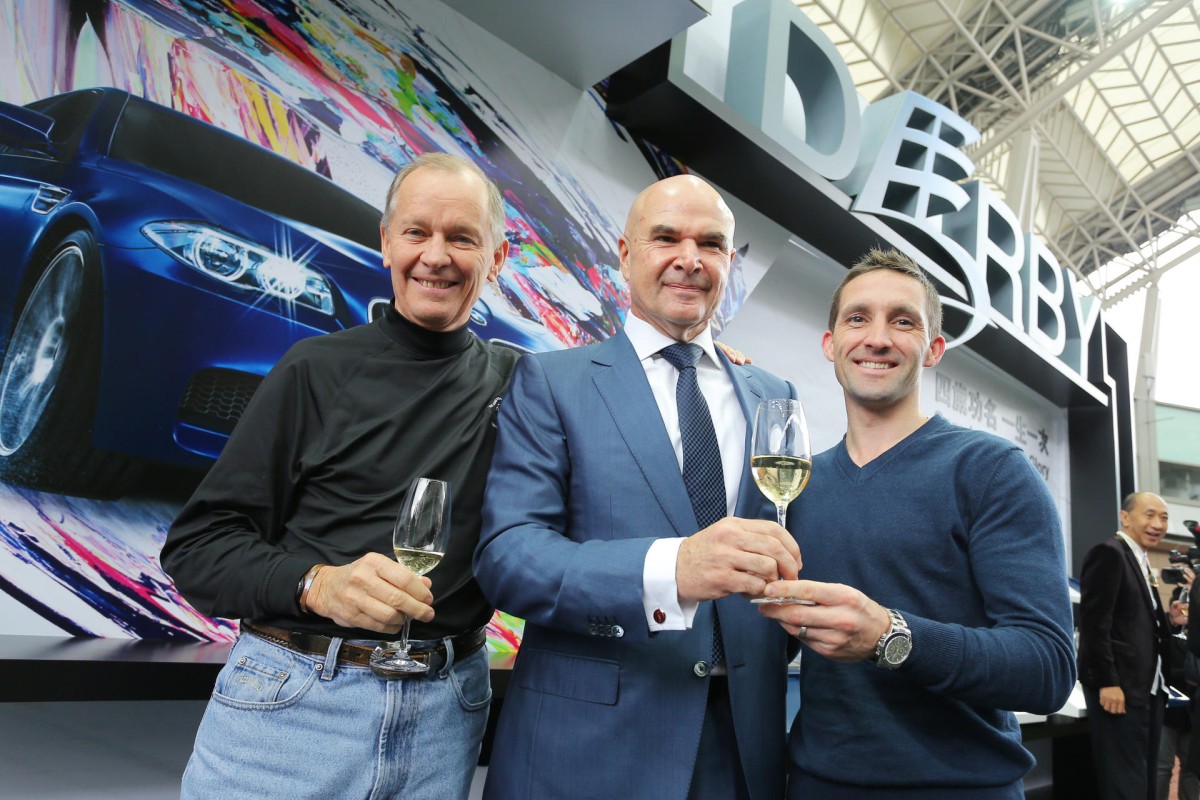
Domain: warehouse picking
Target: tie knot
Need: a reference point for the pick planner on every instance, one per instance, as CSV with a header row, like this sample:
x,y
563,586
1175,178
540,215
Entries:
x,y
682,355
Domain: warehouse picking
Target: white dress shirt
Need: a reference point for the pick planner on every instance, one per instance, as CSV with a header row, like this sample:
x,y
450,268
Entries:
x,y
659,591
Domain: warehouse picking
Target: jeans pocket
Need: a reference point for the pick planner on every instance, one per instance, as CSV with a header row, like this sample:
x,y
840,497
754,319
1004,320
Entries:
x,y
472,682
264,680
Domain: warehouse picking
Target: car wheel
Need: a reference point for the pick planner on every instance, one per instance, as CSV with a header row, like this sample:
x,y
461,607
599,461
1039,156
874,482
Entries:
x,y
49,376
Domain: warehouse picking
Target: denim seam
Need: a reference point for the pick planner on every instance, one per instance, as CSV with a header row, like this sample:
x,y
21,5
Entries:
x,y
462,700
247,705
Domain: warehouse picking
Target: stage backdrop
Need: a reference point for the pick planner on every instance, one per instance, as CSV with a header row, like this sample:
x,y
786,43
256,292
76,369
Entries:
x,y
229,159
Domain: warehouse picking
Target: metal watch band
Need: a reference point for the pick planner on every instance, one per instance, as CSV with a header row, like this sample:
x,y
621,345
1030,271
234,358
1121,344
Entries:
x,y
897,631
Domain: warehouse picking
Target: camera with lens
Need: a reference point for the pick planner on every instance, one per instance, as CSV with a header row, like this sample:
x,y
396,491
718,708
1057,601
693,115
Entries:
x,y
1191,557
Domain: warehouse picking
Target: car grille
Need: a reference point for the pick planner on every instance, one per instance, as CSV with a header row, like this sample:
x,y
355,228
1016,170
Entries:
x,y
215,398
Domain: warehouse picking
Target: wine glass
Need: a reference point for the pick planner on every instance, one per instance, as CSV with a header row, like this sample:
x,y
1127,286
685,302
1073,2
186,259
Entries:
x,y
780,457
419,542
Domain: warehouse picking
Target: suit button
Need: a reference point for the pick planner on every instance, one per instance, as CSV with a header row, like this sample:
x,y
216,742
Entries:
x,y
701,669
618,631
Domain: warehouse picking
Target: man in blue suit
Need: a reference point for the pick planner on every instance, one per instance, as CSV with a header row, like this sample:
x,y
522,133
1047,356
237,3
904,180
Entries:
x,y
644,671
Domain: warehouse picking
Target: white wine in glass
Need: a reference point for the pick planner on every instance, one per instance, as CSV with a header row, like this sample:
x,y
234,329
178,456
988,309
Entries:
x,y
419,561
419,542
780,456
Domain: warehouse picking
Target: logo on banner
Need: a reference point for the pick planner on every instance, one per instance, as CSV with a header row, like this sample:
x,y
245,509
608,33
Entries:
x,y
899,159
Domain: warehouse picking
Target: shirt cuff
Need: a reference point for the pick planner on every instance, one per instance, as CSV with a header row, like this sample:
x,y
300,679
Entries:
x,y
660,595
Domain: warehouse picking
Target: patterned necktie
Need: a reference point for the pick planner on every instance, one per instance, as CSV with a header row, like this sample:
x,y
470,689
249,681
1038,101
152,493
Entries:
x,y
703,476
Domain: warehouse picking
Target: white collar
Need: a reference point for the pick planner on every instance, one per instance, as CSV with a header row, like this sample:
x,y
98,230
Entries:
x,y
1138,550
648,340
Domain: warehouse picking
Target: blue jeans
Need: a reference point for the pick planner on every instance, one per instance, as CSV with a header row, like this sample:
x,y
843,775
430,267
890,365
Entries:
x,y
282,724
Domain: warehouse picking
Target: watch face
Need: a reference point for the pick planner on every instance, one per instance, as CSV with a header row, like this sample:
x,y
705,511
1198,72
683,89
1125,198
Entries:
x,y
895,651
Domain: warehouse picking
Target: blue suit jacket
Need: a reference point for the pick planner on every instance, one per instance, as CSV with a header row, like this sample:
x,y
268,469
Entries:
x,y
583,480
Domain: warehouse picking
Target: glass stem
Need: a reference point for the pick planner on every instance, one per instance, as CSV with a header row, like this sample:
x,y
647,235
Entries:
x,y
781,514
403,651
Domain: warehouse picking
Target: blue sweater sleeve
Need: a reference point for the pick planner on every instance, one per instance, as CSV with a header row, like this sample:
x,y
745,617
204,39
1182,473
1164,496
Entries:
x,y
1024,660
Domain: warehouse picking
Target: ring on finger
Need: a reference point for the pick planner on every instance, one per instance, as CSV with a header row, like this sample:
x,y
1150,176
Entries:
x,y
802,633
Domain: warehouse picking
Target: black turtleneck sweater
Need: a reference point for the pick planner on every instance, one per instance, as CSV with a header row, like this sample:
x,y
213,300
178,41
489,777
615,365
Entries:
x,y
319,463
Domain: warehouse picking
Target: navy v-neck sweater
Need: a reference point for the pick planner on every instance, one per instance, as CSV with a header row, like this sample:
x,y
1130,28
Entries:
x,y
956,530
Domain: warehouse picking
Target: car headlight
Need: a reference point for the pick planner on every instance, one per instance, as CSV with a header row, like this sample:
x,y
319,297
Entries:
x,y
242,264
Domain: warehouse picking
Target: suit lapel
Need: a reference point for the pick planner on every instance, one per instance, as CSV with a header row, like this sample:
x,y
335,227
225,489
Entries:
x,y
750,393
737,631
1140,578
622,385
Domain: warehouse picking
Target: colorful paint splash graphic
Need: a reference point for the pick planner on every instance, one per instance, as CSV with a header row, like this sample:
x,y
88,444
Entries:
x,y
92,568
504,633
352,91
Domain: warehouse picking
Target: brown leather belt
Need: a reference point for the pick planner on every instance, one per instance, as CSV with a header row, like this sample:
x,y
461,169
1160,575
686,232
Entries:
x,y
432,653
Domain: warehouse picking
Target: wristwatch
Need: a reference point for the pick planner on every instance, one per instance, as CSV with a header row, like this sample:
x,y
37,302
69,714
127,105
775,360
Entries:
x,y
895,644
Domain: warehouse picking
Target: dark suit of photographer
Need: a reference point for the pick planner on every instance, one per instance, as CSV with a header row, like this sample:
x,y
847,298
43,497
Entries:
x,y
1189,766
1192,557
1183,673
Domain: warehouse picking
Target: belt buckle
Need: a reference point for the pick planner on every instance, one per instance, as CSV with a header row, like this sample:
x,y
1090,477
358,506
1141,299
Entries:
x,y
425,657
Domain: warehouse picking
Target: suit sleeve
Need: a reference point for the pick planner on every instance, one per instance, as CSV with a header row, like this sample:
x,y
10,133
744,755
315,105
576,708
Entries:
x,y
535,557
1098,584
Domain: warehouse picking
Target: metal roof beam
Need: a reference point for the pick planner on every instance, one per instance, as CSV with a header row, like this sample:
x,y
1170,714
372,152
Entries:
x,y
1152,276
1051,98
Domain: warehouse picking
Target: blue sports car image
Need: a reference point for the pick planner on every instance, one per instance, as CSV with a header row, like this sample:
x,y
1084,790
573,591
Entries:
x,y
155,268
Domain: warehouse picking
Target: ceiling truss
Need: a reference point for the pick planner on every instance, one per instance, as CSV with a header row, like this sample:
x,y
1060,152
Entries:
x,y
1107,91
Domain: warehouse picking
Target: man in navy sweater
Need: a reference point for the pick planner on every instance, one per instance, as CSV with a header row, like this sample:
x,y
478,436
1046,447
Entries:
x,y
934,557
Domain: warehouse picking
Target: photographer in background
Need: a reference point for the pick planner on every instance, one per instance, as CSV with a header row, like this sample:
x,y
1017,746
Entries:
x,y
1189,764
1182,676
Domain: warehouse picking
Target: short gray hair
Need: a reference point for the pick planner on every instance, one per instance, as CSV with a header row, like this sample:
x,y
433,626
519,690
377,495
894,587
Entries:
x,y
448,162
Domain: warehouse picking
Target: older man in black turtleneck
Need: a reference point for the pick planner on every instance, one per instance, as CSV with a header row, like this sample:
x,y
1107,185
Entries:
x,y
291,529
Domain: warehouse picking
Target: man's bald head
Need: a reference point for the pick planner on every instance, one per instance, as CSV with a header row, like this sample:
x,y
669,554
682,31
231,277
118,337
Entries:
x,y
675,254
673,190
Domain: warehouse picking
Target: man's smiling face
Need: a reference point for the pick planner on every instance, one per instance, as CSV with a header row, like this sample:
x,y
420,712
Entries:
x,y
675,254
1146,521
438,247
880,339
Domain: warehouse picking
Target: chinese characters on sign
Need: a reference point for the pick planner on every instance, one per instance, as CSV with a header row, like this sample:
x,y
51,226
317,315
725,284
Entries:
x,y
960,402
